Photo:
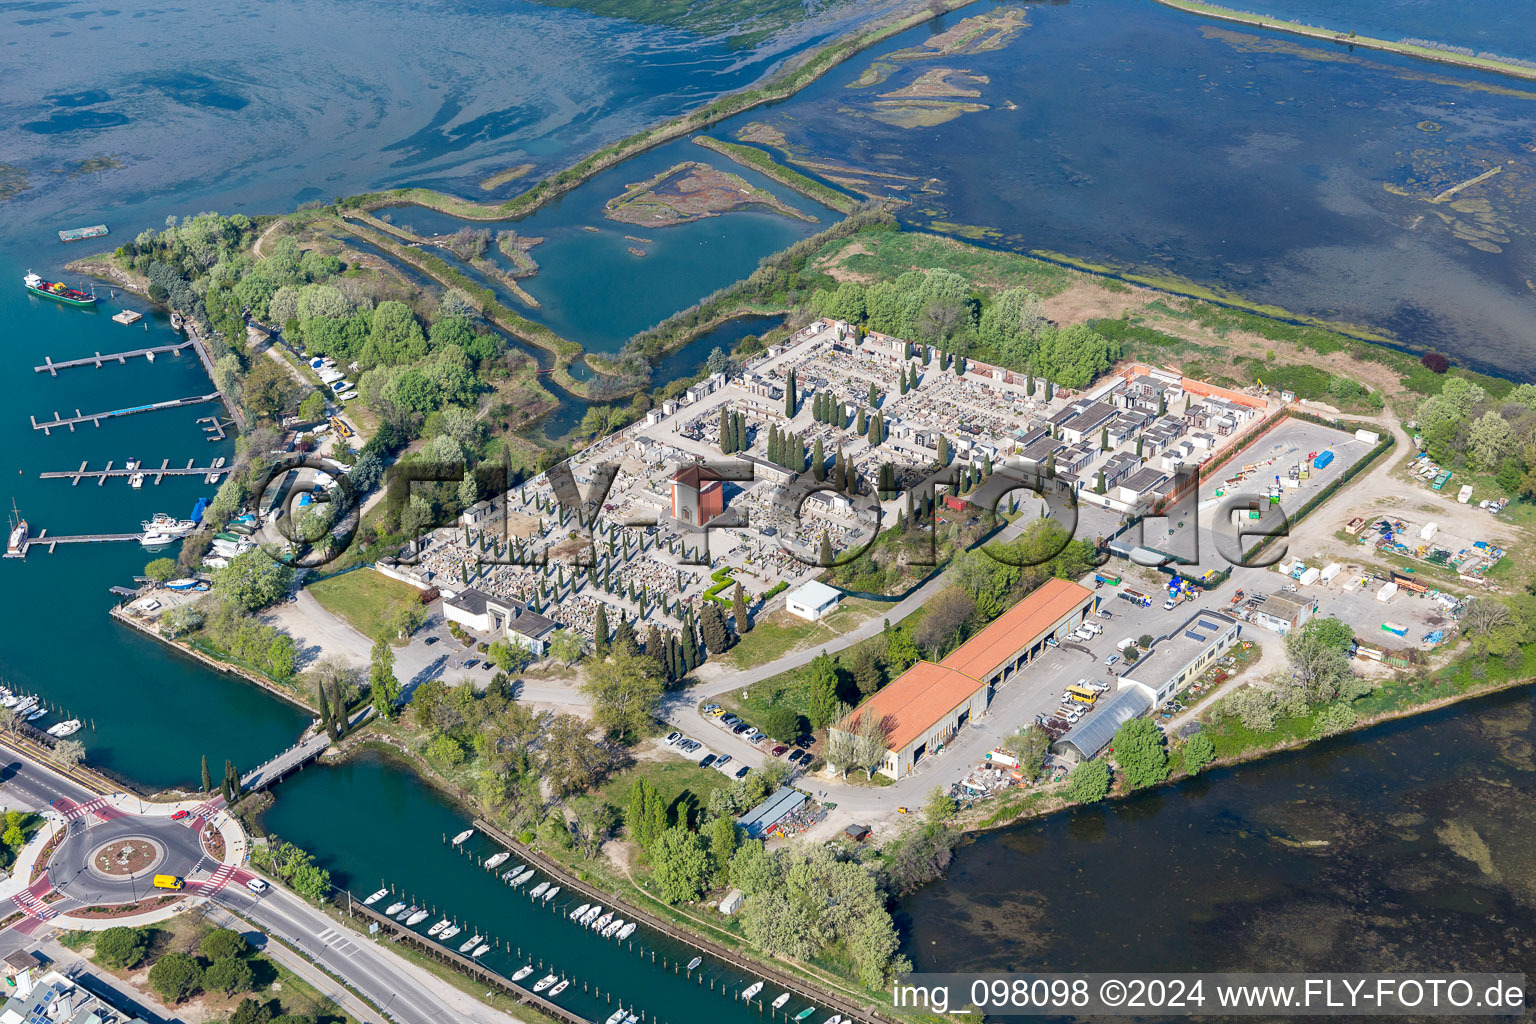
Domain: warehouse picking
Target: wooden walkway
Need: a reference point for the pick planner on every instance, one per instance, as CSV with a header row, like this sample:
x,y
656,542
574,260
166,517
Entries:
x,y
42,540
98,360
74,476
96,417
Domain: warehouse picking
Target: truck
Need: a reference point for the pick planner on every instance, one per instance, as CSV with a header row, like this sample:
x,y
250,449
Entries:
x,y
1136,597
1104,577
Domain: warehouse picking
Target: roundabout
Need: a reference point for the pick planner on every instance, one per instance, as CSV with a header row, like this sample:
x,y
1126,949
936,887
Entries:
x,y
129,857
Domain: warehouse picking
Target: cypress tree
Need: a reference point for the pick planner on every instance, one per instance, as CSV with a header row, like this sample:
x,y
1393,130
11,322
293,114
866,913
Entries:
x,y
1029,386
600,630
1098,488
688,647
1139,443
717,639
818,462
839,471
1162,405
725,431
324,706
874,396
926,353
825,556
910,518
789,394
903,379
674,659
943,450
859,424
739,609
1104,440
207,778
1050,466
959,365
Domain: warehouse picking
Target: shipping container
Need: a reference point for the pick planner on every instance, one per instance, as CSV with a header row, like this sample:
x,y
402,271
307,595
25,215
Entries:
x,y
1323,458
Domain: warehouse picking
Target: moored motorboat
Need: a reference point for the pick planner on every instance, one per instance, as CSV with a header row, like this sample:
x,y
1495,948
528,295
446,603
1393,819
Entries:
x,y
520,879
558,989
538,890
471,944
613,929
511,873
39,713
522,972
449,933
497,861
416,918
616,1017
459,839
544,982
591,914
602,922
752,990
694,963
805,1013
477,954
371,900
627,930
837,1018
63,729
575,914
778,1003
552,892
394,908
407,912
437,929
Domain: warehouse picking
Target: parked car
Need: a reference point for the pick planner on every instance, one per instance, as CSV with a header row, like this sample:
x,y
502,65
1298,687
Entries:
x,y
673,737
1105,613
709,759
778,751
1111,660
432,640
741,772
730,719
755,736
707,708
722,760
740,727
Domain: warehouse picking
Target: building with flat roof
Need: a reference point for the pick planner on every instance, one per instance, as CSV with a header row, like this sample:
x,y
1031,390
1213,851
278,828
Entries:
x,y
923,708
1176,659
55,999
812,600
1282,614
780,805
475,609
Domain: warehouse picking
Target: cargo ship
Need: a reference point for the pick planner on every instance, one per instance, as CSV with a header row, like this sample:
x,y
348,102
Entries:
x,y
54,290
77,234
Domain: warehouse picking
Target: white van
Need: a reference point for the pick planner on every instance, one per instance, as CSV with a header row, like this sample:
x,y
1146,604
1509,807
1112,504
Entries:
x,y
1123,644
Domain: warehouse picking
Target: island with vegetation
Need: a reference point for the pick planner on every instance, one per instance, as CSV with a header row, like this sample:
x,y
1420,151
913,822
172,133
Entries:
x,y
691,191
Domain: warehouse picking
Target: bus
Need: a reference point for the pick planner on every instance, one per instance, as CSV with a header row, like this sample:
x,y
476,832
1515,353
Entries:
x,y
1082,695
169,882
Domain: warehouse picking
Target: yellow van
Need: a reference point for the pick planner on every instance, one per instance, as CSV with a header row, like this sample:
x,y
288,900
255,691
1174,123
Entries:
x,y
1083,695
168,882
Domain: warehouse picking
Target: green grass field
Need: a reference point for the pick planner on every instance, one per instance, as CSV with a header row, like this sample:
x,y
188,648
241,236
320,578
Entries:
x,y
683,785
366,600
781,632
889,254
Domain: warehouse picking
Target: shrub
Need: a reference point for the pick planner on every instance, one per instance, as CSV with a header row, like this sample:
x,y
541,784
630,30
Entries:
x,y
1089,782
1435,362
228,975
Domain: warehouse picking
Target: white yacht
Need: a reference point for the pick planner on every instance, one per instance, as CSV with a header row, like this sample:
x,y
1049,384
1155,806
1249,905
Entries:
x,y
459,839
416,918
371,900
437,929
449,933
394,908
497,861
522,972
544,982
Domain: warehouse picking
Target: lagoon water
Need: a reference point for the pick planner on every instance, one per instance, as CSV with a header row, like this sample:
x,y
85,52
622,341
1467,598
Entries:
x,y
1507,29
1126,133
1408,847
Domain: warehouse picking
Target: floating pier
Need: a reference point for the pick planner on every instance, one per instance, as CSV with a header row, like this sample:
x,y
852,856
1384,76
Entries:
x,y
101,475
96,417
44,541
98,360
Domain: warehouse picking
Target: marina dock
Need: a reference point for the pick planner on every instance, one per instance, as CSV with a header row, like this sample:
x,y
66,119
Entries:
x,y
96,417
98,360
42,540
101,475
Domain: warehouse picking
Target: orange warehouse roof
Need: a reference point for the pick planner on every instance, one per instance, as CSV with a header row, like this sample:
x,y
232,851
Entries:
x,y
912,702
1017,628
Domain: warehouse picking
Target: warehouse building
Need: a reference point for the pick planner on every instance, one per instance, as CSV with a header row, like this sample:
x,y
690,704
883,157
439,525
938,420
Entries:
x,y
1084,741
923,708
1283,614
1175,660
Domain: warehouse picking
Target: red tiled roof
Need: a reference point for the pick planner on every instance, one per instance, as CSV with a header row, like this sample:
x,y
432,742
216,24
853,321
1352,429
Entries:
x,y
696,477
1016,628
912,702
